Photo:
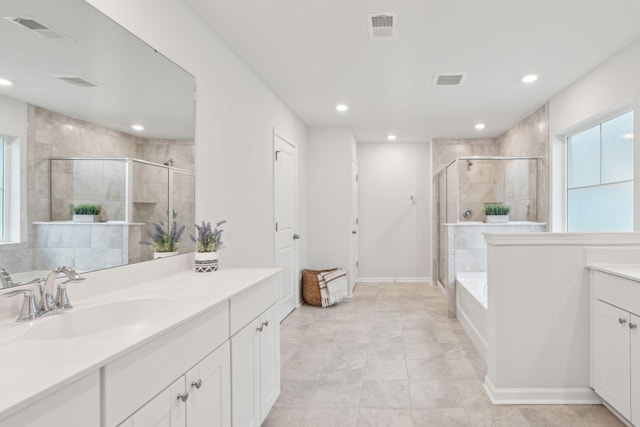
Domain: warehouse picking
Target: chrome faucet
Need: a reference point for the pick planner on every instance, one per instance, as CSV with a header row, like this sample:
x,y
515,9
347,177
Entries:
x,y
56,297
5,279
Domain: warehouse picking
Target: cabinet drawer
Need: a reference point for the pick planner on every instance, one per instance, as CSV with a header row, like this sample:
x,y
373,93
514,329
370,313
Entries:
x,y
618,291
135,378
247,305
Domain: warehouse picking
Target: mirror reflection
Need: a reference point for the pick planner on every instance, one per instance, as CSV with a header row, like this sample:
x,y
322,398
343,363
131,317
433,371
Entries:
x,y
96,141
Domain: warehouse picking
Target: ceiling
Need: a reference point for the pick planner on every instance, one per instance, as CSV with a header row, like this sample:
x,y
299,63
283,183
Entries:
x,y
315,54
136,85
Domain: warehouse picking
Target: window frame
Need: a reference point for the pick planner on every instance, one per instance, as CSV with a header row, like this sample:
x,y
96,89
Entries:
x,y
587,126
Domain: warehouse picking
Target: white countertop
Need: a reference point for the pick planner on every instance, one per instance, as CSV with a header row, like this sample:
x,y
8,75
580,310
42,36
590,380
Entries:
x,y
31,369
627,271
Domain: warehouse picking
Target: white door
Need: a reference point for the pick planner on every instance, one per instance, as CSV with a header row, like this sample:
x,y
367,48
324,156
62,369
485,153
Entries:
x,y
269,360
285,226
353,273
209,386
611,361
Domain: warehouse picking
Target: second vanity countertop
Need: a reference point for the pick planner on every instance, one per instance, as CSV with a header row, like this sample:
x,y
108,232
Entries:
x,y
33,368
626,271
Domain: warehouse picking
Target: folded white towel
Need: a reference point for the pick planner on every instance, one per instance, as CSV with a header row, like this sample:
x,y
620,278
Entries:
x,y
333,286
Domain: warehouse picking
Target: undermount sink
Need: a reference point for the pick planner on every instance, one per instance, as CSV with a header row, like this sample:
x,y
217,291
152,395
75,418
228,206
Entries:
x,y
94,320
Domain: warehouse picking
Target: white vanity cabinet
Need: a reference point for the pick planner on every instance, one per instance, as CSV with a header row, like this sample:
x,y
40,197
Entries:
x,y
199,398
161,370
75,405
255,355
615,342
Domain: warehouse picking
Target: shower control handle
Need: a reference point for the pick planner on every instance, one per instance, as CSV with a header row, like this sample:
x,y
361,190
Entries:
x,y
468,213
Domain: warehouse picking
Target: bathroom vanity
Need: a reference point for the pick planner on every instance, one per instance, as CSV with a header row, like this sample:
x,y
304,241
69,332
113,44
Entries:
x,y
187,349
615,338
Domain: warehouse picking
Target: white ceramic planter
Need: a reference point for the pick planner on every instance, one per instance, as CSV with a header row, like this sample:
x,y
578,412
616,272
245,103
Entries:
x,y
86,218
497,218
158,255
206,262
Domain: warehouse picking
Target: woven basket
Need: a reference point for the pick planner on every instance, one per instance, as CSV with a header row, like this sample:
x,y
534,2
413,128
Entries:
x,y
310,287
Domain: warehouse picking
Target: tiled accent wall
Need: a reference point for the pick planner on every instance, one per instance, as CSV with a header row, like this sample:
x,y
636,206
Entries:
x,y
87,247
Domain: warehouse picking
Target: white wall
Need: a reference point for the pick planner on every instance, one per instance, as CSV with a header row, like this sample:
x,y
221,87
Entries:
x,y
235,117
606,90
538,314
395,232
330,154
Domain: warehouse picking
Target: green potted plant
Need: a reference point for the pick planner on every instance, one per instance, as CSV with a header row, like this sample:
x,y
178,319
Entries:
x,y
208,240
86,213
497,212
164,242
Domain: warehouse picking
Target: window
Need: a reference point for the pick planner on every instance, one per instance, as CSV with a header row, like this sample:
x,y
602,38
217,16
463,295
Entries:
x,y
600,177
2,188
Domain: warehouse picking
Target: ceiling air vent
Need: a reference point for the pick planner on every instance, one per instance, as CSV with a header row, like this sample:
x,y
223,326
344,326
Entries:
x,y
76,81
38,27
452,79
382,25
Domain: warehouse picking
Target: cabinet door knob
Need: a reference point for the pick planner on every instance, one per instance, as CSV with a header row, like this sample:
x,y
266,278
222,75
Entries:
x,y
632,326
197,384
265,323
183,396
622,321
260,328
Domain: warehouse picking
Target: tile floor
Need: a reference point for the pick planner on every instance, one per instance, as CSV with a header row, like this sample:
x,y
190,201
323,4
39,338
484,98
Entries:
x,y
390,357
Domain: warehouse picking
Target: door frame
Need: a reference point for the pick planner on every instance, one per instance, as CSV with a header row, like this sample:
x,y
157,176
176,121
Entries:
x,y
296,246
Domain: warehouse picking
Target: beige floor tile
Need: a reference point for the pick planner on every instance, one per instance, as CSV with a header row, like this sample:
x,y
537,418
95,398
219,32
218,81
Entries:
x,y
385,370
343,369
434,394
331,417
440,417
421,369
377,417
285,417
497,416
385,394
295,393
425,350
386,350
472,394
336,394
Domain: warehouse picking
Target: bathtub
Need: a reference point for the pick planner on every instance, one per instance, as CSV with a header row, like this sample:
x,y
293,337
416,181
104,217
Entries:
x,y
471,304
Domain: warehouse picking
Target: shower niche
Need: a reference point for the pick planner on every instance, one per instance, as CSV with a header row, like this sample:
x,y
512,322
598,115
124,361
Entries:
x,y
133,194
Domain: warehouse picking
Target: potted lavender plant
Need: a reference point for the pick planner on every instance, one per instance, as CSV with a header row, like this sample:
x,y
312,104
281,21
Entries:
x,y
164,242
208,240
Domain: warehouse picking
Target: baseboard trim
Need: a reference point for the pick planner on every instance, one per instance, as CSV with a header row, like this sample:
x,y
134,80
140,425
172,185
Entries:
x,y
393,279
540,395
472,332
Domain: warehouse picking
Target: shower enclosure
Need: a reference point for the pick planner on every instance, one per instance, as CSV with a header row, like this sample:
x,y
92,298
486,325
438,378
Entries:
x,y
133,194
461,191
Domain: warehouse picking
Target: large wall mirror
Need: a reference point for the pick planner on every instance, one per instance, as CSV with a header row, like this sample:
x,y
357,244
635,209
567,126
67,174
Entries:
x,y
80,84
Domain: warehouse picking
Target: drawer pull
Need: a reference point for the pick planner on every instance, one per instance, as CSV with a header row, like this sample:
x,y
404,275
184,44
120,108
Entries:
x,y
632,326
197,384
183,396
622,321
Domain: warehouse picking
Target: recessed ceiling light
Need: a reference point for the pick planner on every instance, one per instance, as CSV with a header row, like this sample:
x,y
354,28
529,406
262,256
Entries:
x,y
5,82
480,126
530,78
342,107
139,128
391,137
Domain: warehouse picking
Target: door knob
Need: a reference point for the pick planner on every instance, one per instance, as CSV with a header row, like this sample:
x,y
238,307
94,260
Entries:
x,y
197,384
265,323
296,236
622,321
632,325
354,232
183,396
